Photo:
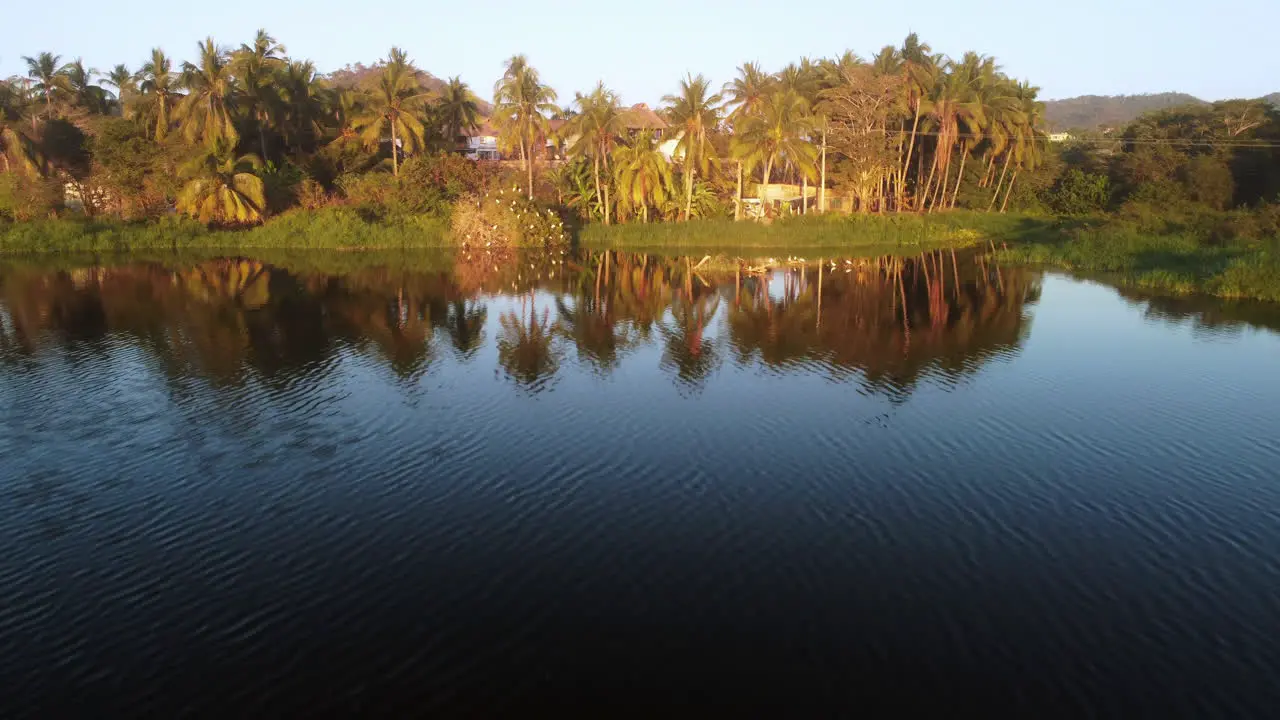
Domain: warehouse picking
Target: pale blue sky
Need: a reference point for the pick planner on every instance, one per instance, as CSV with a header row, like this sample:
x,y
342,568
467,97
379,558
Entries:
x,y
1210,49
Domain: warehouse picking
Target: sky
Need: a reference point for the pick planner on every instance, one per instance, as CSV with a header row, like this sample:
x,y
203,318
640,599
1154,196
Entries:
x,y
1213,50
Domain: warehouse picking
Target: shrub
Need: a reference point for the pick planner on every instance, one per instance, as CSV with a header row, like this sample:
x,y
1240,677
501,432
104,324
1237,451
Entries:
x,y
28,197
503,219
1078,193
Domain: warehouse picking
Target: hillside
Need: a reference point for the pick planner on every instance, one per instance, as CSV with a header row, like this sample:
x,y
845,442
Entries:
x,y
1274,99
361,75
1091,111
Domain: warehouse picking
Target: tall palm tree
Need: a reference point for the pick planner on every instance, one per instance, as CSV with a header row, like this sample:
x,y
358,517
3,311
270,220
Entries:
x,y
777,132
301,97
158,89
458,110
644,174
1027,145
747,92
393,109
222,188
45,73
255,66
953,108
693,111
920,71
80,85
126,85
522,104
206,111
594,131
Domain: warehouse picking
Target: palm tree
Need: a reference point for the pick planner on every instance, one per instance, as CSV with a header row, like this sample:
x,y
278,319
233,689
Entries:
x,y
920,70
644,174
522,103
80,84
458,110
1027,144
157,88
747,92
126,85
594,131
46,76
693,111
952,104
393,109
222,188
255,67
301,98
778,131
206,111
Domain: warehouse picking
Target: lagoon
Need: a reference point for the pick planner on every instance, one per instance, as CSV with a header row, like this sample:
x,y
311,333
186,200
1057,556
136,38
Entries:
x,y
409,484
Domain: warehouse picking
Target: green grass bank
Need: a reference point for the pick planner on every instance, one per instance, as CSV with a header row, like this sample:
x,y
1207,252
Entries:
x,y
1215,257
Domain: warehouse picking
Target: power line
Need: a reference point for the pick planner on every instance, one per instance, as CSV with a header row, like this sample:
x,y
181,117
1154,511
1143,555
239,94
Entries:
x,y
1173,142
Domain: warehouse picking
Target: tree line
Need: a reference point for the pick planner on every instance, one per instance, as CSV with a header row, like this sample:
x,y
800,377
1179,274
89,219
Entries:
x,y
238,134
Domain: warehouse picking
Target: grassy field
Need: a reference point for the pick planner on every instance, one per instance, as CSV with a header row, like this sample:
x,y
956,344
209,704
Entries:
x,y
1177,263
871,234
331,229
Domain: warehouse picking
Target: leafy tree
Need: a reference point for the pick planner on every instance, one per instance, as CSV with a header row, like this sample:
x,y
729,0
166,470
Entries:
x,y
1078,193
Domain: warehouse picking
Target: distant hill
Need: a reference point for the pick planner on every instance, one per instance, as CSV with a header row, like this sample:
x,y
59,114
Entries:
x,y
1092,111
361,75
1274,99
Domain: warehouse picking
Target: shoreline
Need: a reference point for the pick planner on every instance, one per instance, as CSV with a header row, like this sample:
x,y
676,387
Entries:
x,y
1175,262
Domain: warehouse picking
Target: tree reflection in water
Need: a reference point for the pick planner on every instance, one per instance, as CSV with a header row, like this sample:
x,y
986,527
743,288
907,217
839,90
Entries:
x,y
884,322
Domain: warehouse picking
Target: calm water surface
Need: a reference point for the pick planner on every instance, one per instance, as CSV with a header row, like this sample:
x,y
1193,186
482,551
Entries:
x,y
334,484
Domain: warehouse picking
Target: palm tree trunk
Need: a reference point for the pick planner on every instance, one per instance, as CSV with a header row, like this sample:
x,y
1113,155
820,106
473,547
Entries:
x,y
395,152
964,155
804,194
822,187
688,190
1005,205
529,170
595,172
996,196
923,198
737,200
940,201
911,146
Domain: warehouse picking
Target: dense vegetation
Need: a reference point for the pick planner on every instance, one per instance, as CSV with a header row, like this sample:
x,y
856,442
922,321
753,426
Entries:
x,y
373,157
